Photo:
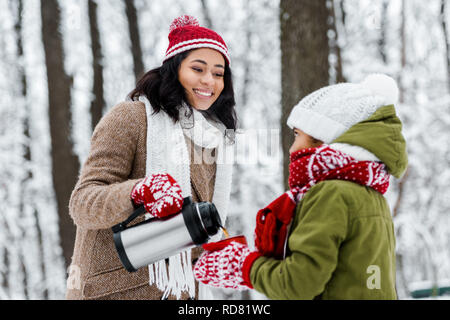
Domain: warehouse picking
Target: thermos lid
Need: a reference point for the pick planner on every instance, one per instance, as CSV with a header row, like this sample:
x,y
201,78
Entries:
x,y
210,217
202,220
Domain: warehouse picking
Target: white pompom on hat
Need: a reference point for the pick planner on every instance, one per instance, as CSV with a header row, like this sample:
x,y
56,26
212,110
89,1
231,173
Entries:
x,y
382,85
327,113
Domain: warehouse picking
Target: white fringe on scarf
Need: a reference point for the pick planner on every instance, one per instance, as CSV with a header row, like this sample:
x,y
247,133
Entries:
x,y
167,152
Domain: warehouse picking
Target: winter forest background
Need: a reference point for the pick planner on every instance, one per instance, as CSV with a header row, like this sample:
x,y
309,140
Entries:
x,y
65,63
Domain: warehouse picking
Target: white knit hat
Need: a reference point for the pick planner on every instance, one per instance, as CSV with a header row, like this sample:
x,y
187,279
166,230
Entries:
x,y
328,112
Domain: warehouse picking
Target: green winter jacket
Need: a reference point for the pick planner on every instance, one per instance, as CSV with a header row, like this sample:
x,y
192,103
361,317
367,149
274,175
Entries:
x,y
341,243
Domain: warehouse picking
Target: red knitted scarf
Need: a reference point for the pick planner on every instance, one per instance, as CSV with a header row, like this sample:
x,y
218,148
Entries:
x,y
307,168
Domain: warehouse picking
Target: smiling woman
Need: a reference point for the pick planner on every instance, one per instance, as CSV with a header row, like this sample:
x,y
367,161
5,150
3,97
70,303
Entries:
x,y
190,93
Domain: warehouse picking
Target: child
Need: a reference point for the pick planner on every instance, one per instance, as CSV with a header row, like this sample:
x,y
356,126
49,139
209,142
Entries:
x,y
331,235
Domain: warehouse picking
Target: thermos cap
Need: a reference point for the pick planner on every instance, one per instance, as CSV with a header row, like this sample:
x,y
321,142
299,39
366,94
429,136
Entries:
x,y
209,216
202,220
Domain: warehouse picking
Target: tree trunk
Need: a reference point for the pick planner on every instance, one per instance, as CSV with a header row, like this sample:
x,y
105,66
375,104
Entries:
x,y
65,164
446,40
245,294
401,96
26,132
98,103
335,48
26,207
133,28
304,58
401,189
342,11
206,15
383,31
401,280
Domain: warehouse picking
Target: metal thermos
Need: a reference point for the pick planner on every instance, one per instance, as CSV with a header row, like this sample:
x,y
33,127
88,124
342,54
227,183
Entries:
x,y
156,239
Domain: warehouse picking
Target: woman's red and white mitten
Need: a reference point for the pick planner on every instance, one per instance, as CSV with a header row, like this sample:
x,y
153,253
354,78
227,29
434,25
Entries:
x,y
159,193
228,267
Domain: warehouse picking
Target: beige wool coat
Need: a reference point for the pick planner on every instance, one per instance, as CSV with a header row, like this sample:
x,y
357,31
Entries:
x,y
101,199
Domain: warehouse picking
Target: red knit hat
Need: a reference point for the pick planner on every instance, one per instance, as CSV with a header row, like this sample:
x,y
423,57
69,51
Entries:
x,y
186,34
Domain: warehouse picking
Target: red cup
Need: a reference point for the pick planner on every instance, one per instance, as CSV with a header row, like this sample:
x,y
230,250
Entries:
x,y
219,245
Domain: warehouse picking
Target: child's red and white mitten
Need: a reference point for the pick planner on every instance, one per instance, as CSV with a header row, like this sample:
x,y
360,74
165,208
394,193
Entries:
x,y
228,267
159,193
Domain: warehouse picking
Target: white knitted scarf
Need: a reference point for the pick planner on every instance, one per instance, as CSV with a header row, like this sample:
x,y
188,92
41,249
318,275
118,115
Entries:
x,y
167,152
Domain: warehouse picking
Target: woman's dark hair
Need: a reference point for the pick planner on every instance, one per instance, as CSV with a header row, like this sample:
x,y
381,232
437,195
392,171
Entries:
x,y
165,92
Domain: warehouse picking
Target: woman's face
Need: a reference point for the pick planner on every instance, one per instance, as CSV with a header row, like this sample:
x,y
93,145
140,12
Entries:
x,y
201,75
